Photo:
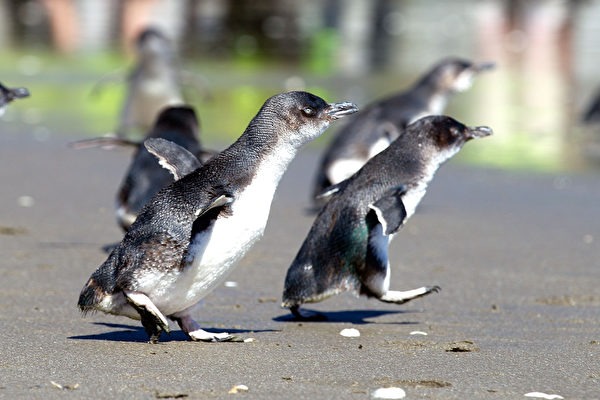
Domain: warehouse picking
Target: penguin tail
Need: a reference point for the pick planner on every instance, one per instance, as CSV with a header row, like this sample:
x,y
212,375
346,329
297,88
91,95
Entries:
x,y
98,290
90,297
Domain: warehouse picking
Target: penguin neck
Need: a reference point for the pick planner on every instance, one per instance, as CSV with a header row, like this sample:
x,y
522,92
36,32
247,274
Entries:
x,y
154,65
430,93
264,155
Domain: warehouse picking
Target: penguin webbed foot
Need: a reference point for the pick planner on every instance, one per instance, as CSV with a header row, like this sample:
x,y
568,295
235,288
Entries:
x,y
153,321
305,315
192,329
204,336
401,297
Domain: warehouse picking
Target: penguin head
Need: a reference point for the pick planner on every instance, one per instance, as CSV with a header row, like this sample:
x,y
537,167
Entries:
x,y
440,137
456,74
7,94
179,119
151,43
302,116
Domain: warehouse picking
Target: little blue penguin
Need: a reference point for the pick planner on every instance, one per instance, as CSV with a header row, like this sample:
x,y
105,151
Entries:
x,y
9,94
154,83
592,112
373,128
347,247
144,176
190,235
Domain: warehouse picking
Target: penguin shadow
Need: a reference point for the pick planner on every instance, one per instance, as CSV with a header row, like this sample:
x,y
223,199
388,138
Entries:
x,y
356,317
136,334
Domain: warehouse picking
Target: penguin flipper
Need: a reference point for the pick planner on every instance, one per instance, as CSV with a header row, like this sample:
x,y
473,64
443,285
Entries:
x,y
174,158
207,214
217,202
390,211
153,320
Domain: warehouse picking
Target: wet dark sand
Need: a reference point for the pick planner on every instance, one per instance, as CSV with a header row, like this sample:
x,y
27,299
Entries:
x,y
517,257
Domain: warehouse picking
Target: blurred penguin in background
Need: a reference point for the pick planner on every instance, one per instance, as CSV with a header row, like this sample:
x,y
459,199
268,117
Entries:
x,y
592,112
377,125
10,94
154,83
145,176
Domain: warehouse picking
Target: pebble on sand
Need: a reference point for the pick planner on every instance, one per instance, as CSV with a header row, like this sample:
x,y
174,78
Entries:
x,y
350,332
238,389
540,395
26,201
389,393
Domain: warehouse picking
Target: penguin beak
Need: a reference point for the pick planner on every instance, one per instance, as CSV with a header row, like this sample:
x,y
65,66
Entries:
x,y
478,132
484,66
339,110
19,93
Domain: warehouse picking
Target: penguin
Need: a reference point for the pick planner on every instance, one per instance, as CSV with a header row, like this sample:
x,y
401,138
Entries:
x,y
10,94
144,176
592,112
373,128
154,82
346,248
191,234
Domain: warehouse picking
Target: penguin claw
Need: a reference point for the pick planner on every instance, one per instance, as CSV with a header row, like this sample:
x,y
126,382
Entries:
x,y
153,338
434,289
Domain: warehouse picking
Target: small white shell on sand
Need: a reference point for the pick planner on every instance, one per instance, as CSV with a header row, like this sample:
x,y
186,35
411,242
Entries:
x,y
230,284
249,340
26,201
350,332
418,333
540,395
64,387
389,393
238,389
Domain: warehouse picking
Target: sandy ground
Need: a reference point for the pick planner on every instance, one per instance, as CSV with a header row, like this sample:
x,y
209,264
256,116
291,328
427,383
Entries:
x,y
517,257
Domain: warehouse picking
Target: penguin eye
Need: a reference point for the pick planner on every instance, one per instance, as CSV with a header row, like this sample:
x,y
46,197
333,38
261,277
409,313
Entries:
x,y
308,111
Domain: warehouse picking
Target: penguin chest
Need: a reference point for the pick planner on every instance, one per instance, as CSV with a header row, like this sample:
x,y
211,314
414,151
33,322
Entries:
x,y
230,236
214,251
